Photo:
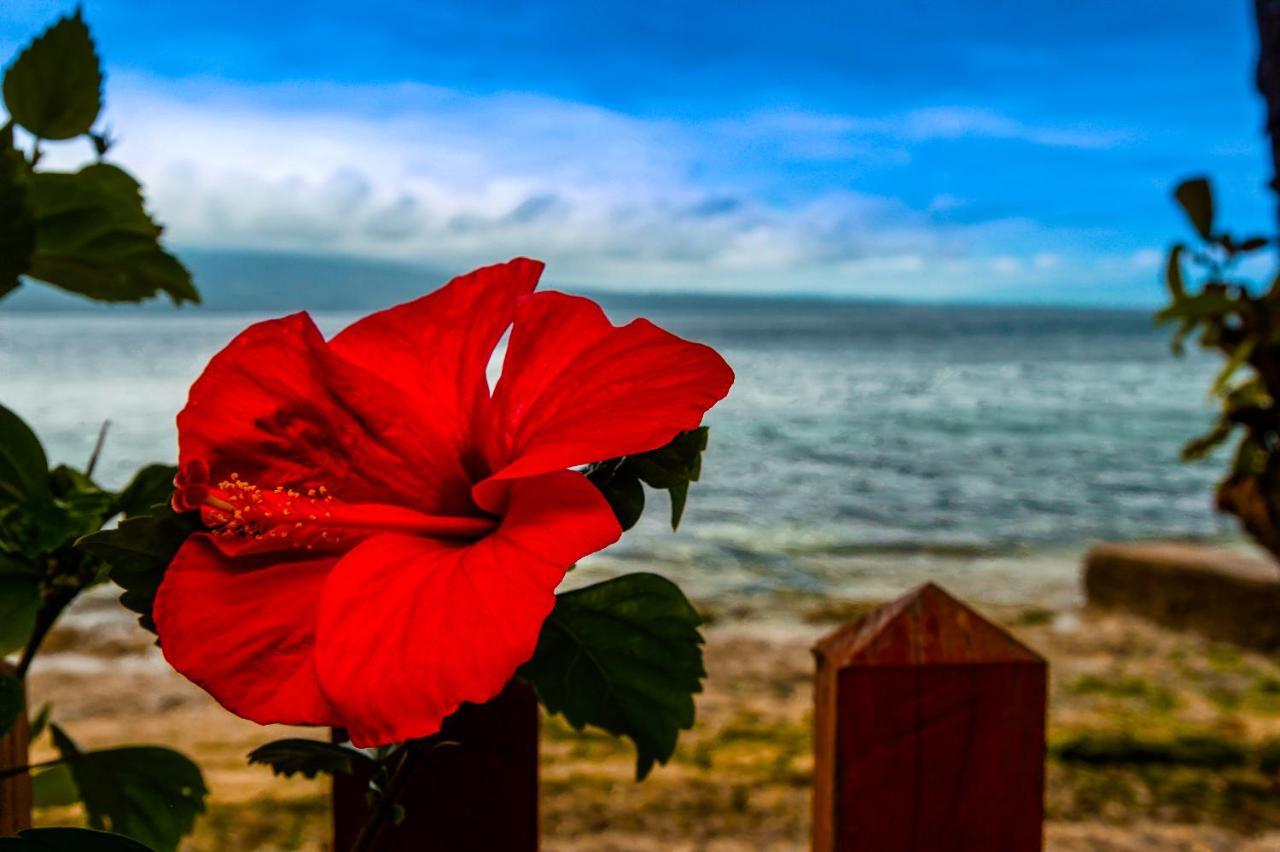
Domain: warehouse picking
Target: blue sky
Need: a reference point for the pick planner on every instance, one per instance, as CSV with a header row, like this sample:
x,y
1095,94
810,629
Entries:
x,y
921,150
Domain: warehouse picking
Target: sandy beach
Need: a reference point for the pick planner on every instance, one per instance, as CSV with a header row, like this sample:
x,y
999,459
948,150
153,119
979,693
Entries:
x,y
740,779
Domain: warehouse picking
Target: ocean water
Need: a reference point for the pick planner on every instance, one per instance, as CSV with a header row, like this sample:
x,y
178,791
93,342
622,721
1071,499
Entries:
x,y
863,449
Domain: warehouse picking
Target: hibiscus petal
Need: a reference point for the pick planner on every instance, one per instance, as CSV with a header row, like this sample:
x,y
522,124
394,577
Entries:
x,y
576,389
436,349
410,628
244,630
278,408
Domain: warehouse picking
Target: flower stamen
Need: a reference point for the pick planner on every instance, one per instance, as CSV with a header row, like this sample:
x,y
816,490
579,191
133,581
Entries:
x,y
282,518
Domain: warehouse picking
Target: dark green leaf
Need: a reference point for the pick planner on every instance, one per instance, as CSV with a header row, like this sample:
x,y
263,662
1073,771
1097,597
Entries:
x,y
66,481
54,87
17,219
94,238
54,787
624,655
1173,272
12,701
24,470
39,526
138,552
148,793
69,840
670,468
13,566
19,600
149,487
83,499
1196,198
310,757
622,488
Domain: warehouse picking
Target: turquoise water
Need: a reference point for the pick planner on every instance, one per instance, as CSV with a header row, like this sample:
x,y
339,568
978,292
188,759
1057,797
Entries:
x,y
864,447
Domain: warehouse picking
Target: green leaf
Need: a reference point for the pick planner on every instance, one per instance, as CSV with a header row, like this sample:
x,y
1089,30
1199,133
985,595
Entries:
x,y
69,840
54,787
149,793
24,470
149,487
670,468
17,219
138,551
624,655
622,488
54,87
39,526
1173,272
1199,448
12,701
310,757
86,502
19,600
95,238
1250,458
1239,356
1213,302
1196,198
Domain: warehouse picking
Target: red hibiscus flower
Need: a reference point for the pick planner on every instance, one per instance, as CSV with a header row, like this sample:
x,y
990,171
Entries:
x,y
386,535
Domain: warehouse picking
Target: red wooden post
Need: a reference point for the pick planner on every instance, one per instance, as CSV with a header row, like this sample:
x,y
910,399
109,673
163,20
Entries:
x,y
929,733
480,795
15,792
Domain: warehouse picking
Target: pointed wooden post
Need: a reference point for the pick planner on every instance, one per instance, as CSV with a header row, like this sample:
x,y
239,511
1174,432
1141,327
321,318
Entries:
x,y
478,795
929,733
15,792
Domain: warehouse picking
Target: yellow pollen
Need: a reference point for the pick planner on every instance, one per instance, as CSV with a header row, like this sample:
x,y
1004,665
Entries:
x,y
240,509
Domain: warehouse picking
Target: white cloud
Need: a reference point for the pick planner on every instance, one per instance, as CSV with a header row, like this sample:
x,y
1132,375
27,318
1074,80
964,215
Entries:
x,y
421,173
1147,259
966,122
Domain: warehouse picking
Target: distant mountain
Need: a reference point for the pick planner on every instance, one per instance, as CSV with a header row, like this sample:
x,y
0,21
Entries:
x,y
277,283
256,282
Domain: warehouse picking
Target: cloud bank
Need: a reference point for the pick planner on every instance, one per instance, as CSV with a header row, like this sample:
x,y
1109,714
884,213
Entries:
x,y
610,200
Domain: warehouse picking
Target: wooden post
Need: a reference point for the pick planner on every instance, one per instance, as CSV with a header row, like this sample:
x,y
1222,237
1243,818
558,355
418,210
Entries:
x,y
480,795
929,733
15,792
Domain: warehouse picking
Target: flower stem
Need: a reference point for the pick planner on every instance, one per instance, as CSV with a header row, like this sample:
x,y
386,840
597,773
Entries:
x,y
385,804
46,615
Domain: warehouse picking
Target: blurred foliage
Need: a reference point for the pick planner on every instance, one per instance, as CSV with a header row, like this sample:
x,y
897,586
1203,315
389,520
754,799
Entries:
x,y
1229,314
149,793
87,232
